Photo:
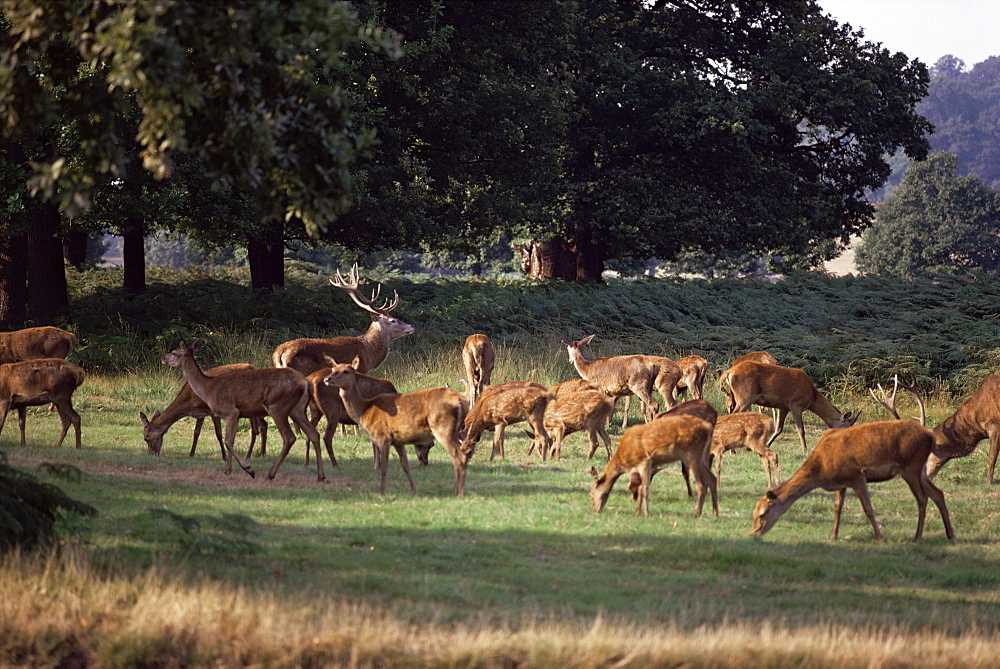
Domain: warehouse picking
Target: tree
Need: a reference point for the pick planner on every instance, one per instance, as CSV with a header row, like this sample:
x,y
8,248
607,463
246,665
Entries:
x,y
237,87
936,222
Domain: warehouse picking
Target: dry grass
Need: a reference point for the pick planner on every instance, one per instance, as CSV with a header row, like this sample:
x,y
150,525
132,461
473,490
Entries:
x,y
59,611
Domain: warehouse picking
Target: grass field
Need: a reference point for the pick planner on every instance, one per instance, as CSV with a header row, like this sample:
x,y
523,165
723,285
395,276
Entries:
x,y
185,566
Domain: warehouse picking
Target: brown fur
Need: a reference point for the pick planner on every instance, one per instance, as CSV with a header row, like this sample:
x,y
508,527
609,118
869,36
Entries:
x,y
787,389
643,448
977,419
505,404
852,458
750,430
478,357
395,420
692,381
188,404
33,343
251,393
41,381
582,410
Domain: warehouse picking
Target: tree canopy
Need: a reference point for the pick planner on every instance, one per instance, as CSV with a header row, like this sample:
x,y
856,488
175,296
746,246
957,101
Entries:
x,y
936,222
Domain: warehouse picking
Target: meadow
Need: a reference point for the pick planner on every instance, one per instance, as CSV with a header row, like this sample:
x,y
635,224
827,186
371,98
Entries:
x,y
185,566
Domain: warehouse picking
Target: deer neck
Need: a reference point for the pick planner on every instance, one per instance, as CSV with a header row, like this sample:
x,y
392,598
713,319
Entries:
x,y
196,378
579,362
354,403
958,434
824,408
375,341
801,482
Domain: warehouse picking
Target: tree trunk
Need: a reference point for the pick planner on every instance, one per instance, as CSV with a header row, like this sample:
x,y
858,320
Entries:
x,y
47,292
266,257
13,276
134,257
75,246
561,259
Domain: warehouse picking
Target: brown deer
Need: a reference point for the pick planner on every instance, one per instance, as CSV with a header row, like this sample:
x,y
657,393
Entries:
x,y
752,356
665,382
852,458
700,408
643,448
251,393
478,357
619,376
33,343
588,410
37,382
750,430
188,405
326,401
370,348
572,386
505,404
787,389
394,419
692,381
977,419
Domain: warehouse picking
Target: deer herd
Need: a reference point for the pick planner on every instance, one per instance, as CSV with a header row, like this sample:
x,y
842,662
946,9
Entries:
x,y
329,378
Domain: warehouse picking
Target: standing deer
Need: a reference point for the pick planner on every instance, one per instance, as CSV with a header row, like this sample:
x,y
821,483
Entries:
x,y
665,382
787,389
187,404
33,343
251,393
326,402
393,419
478,357
643,448
752,356
977,419
37,382
700,408
692,381
574,411
750,430
505,404
619,376
370,348
852,458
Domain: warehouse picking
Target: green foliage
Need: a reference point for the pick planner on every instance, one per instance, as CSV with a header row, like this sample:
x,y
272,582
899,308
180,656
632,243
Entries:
x,y
936,222
29,508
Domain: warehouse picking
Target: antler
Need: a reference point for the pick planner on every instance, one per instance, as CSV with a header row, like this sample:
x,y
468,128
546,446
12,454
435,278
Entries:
x,y
350,286
890,402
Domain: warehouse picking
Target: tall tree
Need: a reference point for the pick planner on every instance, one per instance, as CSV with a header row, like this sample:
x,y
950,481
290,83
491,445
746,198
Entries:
x,y
234,85
936,222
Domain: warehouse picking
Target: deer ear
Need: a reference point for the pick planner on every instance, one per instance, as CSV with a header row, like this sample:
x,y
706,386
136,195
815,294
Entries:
x,y
330,361
145,421
356,363
770,495
586,340
196,344
593,474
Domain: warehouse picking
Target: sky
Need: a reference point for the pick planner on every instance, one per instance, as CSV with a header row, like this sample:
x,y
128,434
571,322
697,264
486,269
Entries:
x,y
925,29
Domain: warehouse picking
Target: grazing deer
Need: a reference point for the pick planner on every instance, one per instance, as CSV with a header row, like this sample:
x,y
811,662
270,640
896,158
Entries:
x,y
643,448
478,357
750,430
852,458
394,419
619,376
700,408
787,389
326,402
752,356
251,393
977,419
370,348
188,405
665,382
33,343
37,382
505,404
587,409
692,381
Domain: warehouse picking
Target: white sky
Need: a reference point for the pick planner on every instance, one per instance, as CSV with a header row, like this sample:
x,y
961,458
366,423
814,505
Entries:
x,y
925,29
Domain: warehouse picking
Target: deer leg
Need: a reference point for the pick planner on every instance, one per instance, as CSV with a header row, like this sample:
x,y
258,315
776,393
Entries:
x,y
712,483
232,422
686,473
218,435
603,433
331,429
544,440
498,442
68,417
298,416
405,463
287,439
383,465
197,432
22,414
779,425
644,480
913,479
935,494
699,483
861,490
262,428
4,410
838,506
991,461
626,409
797,417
